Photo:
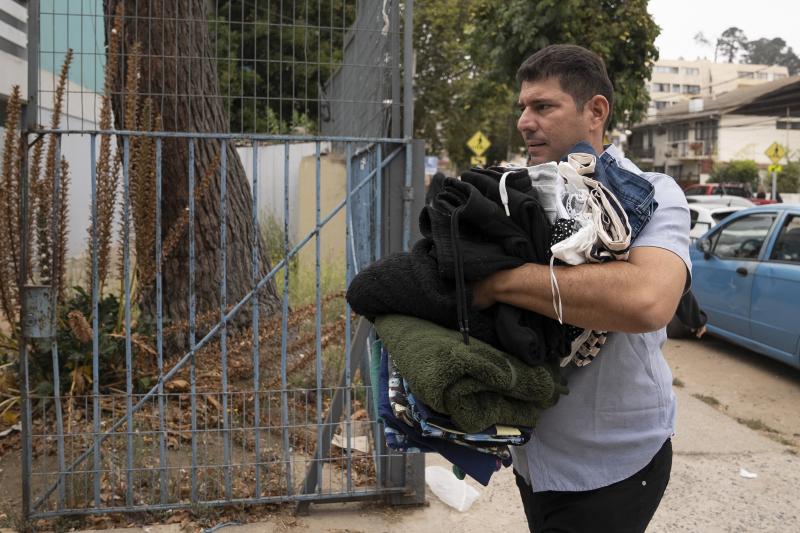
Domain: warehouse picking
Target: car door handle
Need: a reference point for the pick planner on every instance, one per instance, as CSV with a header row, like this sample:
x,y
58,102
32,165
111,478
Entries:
x,y
742,271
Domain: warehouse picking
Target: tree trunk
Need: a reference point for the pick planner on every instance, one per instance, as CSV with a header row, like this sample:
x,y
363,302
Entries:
x,y
179,74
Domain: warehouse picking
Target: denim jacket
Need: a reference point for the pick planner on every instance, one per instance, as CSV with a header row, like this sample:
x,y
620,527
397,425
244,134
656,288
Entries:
x,y
635,193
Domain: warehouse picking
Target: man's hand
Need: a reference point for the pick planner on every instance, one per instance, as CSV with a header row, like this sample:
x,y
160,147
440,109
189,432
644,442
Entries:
x,y
483,294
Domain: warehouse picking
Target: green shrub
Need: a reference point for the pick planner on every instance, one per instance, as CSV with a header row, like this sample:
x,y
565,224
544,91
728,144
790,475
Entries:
x,y
743,171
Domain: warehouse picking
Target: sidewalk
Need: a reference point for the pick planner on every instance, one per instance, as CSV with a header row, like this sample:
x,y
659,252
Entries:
x,y
706,493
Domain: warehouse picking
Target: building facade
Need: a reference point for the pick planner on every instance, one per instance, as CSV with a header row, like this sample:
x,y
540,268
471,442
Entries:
x,y
686,140
676,80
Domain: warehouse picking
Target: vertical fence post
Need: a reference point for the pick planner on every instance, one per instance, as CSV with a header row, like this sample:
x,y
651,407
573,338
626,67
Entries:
x,y
24,223
347,325
287,459
126,230
408,117
192,325
54,258
254,272
95,328
162,430
223,304
318,315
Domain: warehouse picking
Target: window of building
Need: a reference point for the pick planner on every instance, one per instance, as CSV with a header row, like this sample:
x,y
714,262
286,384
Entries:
x,y
705,130
661,105
678,132
785,124
676,87
691,89
691,71
661,87
675,171
665,70
746,75
762,75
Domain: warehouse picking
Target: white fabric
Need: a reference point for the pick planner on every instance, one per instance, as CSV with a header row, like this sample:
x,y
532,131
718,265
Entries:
x,y
504,192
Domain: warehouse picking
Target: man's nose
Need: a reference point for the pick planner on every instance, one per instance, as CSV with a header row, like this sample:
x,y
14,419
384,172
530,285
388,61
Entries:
x,y
526,122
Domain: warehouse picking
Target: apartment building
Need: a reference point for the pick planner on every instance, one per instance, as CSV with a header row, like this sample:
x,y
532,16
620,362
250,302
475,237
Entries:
x,y
60,29
686,140
676,80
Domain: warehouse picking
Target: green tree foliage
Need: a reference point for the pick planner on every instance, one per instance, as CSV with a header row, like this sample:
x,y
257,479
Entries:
x,y
273,56
772,52
741,171
789,178
455,93
622,32
468,53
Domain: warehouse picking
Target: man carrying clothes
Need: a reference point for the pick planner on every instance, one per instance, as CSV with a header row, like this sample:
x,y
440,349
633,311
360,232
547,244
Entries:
x,y
600,459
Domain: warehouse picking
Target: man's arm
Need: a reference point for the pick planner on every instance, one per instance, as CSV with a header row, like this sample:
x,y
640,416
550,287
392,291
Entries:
x,y
634,296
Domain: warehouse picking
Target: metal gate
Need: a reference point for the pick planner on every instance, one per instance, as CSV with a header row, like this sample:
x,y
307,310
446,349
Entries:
x,y
200,351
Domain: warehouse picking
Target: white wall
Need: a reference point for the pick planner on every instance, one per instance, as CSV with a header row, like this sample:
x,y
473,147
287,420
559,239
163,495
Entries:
x,y
747,137
271,164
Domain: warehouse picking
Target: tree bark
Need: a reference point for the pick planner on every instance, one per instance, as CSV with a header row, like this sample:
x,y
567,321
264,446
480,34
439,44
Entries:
x,y
179,74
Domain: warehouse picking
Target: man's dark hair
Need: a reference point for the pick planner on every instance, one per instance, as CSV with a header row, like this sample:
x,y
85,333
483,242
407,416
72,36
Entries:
x,y
580,72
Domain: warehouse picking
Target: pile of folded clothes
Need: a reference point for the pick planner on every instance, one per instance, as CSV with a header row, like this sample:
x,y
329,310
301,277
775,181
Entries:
x,y
467,383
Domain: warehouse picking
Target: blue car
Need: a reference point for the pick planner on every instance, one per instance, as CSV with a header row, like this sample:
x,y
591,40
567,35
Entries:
x,y
746,277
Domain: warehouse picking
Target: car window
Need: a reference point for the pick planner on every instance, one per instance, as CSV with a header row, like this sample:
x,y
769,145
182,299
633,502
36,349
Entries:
x,y
719,215
733,190
743,238
787,246
695,190
716,190
693,214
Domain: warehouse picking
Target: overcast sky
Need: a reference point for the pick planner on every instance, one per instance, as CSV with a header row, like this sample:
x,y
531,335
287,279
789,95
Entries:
x,y
681,20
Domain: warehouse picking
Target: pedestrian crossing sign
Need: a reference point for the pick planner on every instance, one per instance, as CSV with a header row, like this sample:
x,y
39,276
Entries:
x,y
478,143
775,152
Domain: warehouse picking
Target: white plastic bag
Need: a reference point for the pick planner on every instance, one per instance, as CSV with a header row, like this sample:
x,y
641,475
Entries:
x,y
447,487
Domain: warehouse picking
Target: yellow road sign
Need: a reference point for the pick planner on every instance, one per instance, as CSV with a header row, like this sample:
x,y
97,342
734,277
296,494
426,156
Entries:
x,y
478,143
476,160
775,152
775,168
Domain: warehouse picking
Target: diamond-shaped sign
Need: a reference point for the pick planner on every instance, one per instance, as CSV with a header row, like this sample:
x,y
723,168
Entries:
x,y
775,152
478,143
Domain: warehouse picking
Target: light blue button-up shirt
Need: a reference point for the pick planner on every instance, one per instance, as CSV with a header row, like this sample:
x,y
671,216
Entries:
x,y
620,409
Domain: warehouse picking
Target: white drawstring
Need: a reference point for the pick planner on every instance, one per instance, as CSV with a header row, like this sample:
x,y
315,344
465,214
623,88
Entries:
x,y
504,193
554,290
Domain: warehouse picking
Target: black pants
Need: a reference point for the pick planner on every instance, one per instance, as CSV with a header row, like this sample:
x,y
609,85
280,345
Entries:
x,y
624,507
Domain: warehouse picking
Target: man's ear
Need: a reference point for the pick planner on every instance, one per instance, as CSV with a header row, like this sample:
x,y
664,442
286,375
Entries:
x,y
598,109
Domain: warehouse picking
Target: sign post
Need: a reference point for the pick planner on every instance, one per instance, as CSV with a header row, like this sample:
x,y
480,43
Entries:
x,y
478,144
775,152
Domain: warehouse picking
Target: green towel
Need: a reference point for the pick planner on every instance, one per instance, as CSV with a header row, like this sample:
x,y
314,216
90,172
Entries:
x,y
476,384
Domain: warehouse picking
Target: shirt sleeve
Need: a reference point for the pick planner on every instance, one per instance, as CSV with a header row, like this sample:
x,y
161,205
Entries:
x,y
669,226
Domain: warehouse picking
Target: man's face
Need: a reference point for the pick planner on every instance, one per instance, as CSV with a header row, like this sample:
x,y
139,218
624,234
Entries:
x,y
550,123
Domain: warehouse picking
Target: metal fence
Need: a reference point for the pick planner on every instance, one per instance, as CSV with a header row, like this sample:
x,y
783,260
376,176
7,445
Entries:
x,y
209,358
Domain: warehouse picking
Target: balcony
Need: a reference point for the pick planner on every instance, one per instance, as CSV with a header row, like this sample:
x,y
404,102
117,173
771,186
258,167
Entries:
x,y
691,150
644,154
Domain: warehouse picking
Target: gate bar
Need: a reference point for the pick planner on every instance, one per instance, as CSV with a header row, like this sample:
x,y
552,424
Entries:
x,y
255,241
127,289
